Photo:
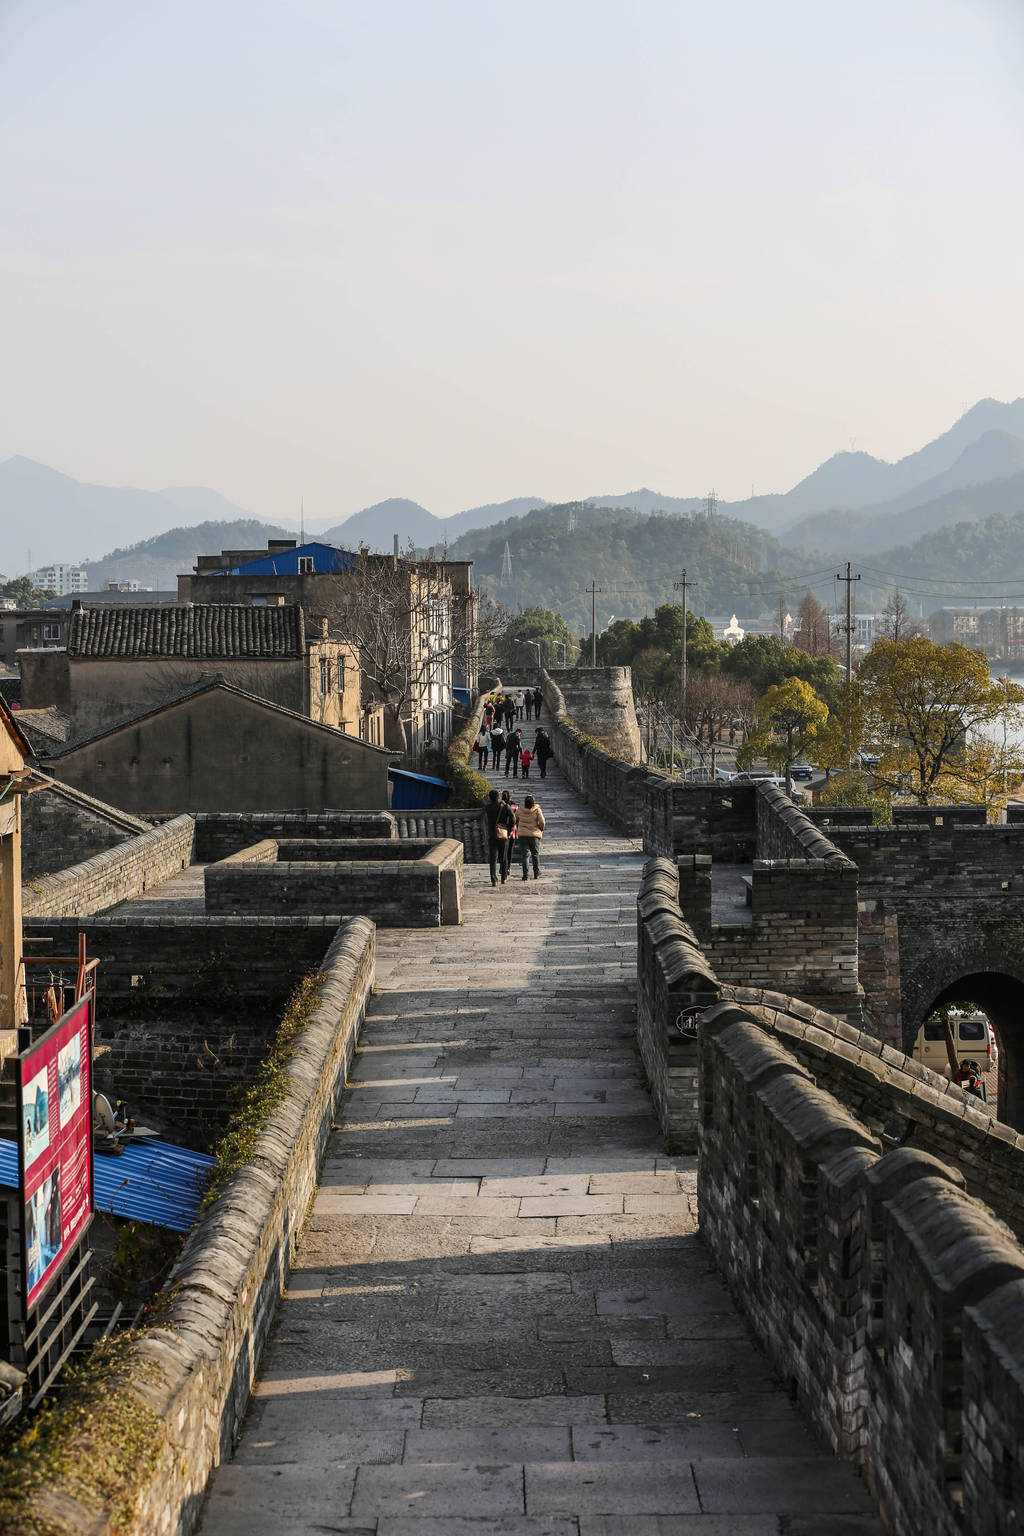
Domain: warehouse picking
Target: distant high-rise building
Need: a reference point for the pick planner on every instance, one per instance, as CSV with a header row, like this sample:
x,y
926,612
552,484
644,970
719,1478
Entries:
x,y
61,578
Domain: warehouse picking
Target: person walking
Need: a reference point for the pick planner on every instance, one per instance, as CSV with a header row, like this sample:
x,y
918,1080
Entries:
x,y
508,818
528,701
510,713
525,759
492,809
497,747
530,831
513,747
489,714
542,751
538,700
480,747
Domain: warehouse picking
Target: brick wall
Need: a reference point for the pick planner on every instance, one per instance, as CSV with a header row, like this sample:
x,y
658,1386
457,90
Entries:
x,y
615,787
890,1092
714,819
61,827
402,884
221,833
198,1366
885,1294
120,874
186,1008
673,979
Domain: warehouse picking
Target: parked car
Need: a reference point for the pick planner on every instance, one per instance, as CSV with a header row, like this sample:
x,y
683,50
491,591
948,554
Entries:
x,y
802,770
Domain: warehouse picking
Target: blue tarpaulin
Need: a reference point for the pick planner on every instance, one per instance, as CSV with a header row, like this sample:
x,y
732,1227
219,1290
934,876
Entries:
x,y
461,696
151,1181
416,791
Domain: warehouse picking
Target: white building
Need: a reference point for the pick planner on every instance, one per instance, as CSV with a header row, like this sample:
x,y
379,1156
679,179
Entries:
x,y
61,578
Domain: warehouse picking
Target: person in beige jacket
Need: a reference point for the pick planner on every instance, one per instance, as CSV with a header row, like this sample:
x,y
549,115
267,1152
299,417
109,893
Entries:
x,y
530,832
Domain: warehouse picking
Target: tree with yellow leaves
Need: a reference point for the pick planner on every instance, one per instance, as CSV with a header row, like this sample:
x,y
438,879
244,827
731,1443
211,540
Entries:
x,y
925,705
787,721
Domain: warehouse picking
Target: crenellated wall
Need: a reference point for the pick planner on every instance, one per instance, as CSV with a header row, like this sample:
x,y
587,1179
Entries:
x,y
888,1297
615,786
599,700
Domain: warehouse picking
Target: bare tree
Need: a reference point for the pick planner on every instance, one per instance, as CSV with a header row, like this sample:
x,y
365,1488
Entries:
x,y
412,632
812,633
897,623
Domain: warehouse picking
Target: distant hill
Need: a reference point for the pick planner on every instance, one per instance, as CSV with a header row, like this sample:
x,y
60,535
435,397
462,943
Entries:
x,y
58,518
376,526
988,477
633,558
957,563
159,561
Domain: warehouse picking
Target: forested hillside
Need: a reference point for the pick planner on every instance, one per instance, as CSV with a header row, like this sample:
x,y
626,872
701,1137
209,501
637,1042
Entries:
x,y
159,561
634,560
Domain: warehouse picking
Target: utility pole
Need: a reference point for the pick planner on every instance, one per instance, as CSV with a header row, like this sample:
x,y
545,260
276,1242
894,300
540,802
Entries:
x,y
593,589
782,617
681,586
849,580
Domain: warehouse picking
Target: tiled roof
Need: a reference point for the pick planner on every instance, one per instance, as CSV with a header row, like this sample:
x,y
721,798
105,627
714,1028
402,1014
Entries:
x,y
44,728
201,630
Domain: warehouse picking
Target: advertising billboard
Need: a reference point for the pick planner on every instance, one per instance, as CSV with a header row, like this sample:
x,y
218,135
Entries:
x,y
55,1146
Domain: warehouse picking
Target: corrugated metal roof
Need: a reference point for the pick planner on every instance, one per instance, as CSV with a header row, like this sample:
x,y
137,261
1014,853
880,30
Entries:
x,y
189,629
151,1181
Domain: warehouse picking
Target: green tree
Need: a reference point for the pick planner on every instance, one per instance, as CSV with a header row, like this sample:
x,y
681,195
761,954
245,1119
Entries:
x,y
787,720
25,593
764,661
538,627
921,703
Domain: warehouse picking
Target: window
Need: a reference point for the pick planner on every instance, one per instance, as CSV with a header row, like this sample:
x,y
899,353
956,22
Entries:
x,y
305,565
325,675
51,631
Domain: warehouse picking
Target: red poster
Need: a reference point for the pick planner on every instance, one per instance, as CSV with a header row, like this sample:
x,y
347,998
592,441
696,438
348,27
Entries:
x,y
55,1145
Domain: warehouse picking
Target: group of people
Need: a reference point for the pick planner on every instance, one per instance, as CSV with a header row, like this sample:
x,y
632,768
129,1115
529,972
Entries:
x,y
512,827
507,708
510,745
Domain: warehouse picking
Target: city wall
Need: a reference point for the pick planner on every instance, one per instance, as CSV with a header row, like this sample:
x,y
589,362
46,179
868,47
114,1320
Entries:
x,y
188,1007
195,1369
614,785
119,874
888,1297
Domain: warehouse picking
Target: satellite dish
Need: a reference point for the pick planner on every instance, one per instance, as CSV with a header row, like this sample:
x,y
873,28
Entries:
x,y
102,1114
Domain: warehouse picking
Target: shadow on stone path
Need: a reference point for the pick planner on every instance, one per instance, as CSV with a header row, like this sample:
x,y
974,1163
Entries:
x,y
501,1319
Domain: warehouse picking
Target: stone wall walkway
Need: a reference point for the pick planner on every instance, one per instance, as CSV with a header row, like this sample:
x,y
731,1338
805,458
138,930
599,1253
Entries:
x,y
501,1319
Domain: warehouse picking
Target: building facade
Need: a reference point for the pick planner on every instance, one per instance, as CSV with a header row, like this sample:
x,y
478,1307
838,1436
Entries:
x,y
431,625
122,658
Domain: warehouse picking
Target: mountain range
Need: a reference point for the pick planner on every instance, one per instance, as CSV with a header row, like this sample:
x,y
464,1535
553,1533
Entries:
x,y
851,501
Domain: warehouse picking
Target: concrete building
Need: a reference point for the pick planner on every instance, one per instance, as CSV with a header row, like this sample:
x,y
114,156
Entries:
x,y
999,632
216,747
433,599
61,578
121,658
31,628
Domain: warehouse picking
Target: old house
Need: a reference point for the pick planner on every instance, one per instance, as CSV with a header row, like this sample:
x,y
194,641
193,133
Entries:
x,y
421,613
217,747
124,658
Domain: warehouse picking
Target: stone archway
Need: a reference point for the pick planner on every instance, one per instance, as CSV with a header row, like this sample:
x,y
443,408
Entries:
x,y
1001,995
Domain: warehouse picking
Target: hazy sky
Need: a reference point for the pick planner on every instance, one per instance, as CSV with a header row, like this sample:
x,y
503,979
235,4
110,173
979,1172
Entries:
x,y
459,251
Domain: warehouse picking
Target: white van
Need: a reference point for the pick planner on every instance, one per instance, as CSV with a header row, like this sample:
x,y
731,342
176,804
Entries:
x,y
973,1036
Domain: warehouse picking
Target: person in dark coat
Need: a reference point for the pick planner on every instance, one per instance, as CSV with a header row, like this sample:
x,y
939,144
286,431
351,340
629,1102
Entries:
x,y
528,703
510,713
542,751
497,746
513,747
508,820
538,700
492,806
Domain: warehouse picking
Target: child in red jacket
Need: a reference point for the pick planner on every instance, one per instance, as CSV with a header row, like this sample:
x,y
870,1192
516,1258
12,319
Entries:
x,y
524,762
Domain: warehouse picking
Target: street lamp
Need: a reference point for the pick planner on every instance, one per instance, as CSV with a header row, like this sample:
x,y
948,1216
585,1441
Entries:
x,y
535,644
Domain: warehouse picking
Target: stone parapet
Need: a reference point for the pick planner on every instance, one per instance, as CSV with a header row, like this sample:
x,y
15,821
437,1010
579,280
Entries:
x,y
615,786
119,874
881,1290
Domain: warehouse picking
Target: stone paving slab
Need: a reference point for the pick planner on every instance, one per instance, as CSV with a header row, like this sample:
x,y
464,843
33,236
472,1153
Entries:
x,y
501,1321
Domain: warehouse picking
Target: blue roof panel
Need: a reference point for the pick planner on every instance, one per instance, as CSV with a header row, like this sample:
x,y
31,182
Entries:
x,y
151,1181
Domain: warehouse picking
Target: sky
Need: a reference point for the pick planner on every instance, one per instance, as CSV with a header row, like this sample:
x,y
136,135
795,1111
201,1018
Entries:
x,y
462,251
